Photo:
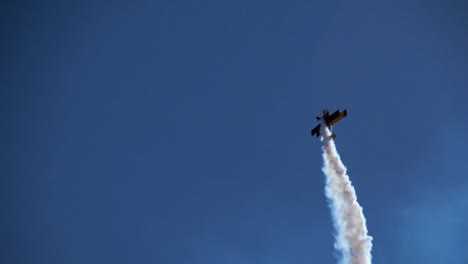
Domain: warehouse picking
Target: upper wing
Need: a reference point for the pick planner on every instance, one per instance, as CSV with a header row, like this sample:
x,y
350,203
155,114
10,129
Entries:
x,y
315,131
335,117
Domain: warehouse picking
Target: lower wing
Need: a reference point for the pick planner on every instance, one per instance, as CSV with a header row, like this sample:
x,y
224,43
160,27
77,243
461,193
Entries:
x,y
315,131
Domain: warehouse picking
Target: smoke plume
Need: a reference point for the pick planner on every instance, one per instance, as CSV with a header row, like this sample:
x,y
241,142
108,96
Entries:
x,y
352,241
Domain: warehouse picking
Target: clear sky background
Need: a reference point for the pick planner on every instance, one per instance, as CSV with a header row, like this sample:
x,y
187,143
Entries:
x,y
178,131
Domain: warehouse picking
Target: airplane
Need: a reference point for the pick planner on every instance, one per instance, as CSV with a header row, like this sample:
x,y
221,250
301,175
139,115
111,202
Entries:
x,y
330,120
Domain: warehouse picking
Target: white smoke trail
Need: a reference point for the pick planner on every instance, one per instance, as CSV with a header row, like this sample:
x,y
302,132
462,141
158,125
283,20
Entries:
x,y
352,240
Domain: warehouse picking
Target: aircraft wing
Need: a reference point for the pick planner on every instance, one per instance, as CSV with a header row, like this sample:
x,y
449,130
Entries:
x,y
335,117
316,131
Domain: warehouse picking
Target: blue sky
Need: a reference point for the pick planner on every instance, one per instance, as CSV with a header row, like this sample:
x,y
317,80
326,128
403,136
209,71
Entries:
x,y
178,131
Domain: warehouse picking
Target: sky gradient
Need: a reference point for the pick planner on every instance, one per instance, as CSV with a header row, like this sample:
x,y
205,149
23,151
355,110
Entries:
x,y
178,132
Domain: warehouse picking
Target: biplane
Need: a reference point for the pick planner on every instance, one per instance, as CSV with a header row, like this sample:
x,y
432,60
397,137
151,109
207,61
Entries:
x,y
329,120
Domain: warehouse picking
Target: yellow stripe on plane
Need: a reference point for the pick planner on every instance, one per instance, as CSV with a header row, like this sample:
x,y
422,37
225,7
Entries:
x,y
338,118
